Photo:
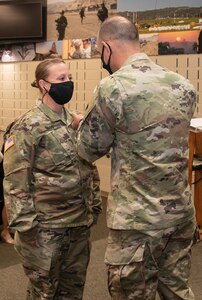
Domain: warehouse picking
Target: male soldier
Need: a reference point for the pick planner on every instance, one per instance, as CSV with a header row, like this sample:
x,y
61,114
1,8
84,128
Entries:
x,y
82,14
86,48
61,24
142,112
102,13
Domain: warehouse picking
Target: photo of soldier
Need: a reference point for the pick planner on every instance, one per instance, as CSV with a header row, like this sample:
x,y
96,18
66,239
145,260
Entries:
x,y
86,48
77,50
102,13
61,24
82,14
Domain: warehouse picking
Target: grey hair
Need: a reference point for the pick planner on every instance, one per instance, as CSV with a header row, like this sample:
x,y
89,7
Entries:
x,y
118,28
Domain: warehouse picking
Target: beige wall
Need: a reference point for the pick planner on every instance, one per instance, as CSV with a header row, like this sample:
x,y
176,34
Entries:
x,y
17,95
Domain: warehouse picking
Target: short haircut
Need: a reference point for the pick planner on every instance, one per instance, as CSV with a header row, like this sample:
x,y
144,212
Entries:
x,y
118,28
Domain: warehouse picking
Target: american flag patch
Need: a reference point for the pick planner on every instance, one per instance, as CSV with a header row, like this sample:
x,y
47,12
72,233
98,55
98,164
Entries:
x,y
9,143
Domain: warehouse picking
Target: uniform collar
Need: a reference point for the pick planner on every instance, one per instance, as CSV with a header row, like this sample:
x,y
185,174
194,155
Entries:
x,y
53,116
136,57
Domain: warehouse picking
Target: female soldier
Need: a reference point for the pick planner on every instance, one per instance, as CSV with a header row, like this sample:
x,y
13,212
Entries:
x,y
52,196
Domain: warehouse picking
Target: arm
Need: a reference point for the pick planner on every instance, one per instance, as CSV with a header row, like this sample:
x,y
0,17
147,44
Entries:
x,y
96,131
18,160
97,200
76,119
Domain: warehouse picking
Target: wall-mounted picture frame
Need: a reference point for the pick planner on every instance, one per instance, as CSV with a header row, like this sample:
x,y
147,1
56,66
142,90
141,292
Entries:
x,y
178,42
77,19
176,23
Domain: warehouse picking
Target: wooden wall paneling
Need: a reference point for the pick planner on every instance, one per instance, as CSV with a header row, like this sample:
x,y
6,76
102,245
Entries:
x,y
164,61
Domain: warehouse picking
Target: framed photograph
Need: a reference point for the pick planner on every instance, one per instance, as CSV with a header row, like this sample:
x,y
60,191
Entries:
x,y
175,24
77,19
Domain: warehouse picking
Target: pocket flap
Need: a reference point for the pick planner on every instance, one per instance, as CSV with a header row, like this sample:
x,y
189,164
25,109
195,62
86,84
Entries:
x,y
115,255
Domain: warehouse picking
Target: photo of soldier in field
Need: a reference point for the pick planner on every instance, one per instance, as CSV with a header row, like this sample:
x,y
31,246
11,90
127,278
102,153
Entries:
x,y
78,25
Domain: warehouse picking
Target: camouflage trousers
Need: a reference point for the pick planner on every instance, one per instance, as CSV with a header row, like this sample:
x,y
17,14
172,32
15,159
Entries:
x,y
55,261
141,263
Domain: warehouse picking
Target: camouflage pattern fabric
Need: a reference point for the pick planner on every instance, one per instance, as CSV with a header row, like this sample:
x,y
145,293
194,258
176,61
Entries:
x,y
141,262
45,181
52,198
67,252
142,113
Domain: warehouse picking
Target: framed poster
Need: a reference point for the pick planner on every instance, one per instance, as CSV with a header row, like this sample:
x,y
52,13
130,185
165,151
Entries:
x,y
77,19
176,24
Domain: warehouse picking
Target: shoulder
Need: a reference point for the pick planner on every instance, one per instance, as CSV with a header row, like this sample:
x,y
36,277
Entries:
x,y
108,81
24,131
111,85
26,122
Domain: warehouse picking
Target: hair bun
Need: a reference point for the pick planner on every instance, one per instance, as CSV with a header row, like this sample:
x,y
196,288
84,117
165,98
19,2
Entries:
x,y
34,84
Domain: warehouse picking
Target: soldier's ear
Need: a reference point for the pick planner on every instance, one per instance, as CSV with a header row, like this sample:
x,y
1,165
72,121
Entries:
x,y
107,46
42,84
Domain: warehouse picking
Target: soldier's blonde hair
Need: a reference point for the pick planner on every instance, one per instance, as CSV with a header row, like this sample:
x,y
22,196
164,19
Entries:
x,y
42,70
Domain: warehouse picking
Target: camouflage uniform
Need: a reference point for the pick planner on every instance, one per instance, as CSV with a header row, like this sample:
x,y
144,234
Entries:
x,y
141,113
52,198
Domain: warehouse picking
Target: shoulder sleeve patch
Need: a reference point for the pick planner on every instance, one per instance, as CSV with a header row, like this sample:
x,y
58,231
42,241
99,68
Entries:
x,y
9,143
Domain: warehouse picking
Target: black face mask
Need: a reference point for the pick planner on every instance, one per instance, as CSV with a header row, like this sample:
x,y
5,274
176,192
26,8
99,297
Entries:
x,y
61,92
106,66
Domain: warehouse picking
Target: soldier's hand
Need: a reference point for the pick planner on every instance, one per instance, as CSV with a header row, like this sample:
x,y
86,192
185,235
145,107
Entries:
x,y
76,119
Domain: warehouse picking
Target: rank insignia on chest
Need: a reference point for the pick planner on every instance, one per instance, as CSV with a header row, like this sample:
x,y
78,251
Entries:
x,y
9,143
